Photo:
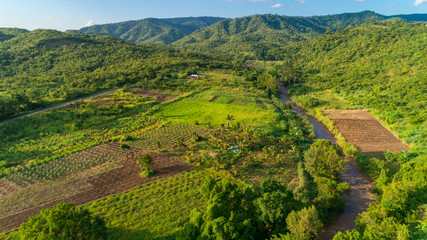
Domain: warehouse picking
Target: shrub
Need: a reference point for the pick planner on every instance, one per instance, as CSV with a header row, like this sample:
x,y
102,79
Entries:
x,y
64,221
145,161
322,160
124,146
304,224
147,173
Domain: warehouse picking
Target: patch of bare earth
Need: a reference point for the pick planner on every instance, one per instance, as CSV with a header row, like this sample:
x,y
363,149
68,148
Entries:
x,y
82,187
364,131
151,93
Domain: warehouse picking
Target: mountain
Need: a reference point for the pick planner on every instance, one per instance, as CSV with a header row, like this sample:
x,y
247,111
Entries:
x,y
152,30
8,33
418,17
379,66
254,33
45,67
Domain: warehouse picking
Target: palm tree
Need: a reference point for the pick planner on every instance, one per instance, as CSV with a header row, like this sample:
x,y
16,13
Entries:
x,y
229,118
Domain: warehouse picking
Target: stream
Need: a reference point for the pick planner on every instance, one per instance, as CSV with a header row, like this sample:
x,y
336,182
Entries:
x,y
358,200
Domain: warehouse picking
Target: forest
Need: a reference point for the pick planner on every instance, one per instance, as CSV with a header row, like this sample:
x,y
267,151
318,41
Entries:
x,y
63,66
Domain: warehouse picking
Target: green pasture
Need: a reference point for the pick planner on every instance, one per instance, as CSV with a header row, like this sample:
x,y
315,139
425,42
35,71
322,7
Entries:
x,y
213,107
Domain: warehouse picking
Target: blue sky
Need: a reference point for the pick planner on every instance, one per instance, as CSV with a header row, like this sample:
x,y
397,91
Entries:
x,y
74,14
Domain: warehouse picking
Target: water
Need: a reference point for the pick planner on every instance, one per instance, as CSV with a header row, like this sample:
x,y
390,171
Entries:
x,y
321,131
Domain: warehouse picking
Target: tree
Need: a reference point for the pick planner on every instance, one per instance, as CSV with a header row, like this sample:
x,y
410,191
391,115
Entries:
x,y
273,206
64,221
229,213
322,160
145,161
304,224
229,118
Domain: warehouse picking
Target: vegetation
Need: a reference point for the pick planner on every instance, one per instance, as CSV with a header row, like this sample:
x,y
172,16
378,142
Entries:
x,y
64,221
152,30
257,171
379,67
63,66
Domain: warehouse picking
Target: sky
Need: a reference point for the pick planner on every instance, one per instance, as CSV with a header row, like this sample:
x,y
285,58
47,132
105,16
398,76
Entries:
x,y
75,14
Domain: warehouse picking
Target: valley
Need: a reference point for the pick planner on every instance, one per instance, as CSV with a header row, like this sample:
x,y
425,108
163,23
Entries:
x,y
294,128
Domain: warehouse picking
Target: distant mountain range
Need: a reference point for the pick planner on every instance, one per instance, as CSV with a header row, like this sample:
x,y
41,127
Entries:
x,y
243,35
152,30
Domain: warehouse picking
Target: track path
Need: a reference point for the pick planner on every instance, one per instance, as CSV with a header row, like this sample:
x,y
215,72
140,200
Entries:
x,y
62,105
358,200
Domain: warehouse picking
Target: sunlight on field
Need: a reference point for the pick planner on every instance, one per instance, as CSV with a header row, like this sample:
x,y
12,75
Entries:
x,y
212,107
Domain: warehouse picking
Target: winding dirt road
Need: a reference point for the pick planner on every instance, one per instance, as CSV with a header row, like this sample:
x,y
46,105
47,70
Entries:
x,y
358,200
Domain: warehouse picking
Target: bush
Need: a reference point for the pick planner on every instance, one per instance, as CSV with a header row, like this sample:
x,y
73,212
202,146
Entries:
x,y
147,173
304,224
64,221
322,160
145,161
124,146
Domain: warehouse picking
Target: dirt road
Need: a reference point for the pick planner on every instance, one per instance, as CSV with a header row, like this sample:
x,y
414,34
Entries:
x,y
358,200
62,105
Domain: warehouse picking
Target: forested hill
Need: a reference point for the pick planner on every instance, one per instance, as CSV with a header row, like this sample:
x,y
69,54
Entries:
x,y
152,30
380,66
260,32
8,33
44,67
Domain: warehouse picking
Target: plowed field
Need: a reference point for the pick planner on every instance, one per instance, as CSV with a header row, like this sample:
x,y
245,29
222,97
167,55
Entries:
x,y
364,131
18,203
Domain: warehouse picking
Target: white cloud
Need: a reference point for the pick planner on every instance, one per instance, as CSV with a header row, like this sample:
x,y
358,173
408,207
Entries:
x,y
89,23
418,2
359,1
301,1
250,0
278,6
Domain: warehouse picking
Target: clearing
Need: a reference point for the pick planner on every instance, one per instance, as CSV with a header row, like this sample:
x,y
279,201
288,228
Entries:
x,y
365,132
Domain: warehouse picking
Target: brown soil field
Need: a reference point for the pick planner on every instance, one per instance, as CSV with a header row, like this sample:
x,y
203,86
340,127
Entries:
x,y
85,186
364,131
151,93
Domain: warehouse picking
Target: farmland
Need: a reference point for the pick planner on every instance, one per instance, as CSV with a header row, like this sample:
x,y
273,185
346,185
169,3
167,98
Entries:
x,y
85,161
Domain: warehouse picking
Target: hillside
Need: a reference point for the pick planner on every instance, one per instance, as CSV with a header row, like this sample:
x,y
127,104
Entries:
x,y
379,66
8,33
257,33
44,67
152,30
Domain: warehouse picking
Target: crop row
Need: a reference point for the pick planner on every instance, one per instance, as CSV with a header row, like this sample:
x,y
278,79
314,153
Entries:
x,y
169,135
65,165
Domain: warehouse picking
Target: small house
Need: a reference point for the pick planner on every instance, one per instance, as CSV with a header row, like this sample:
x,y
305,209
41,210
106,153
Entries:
x,y
194,76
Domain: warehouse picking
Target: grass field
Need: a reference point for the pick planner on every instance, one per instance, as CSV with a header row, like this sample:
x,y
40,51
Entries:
x,y
212,107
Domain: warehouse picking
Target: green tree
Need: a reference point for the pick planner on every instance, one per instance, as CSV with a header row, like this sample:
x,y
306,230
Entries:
x,y
64,221
304,224
322,160
229,118
145,161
